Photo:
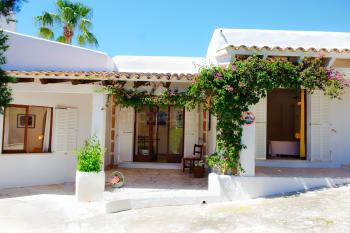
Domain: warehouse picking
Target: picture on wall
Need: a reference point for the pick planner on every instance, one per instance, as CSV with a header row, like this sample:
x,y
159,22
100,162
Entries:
x,y
21,119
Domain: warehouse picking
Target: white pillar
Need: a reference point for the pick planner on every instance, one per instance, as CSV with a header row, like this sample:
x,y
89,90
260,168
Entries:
x,y
247,156
98,119
1,129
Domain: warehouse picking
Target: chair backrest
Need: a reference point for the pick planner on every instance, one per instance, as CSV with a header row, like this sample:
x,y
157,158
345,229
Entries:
x,y
198,151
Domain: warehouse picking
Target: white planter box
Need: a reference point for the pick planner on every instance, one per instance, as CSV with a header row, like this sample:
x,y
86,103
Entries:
x,y
89,186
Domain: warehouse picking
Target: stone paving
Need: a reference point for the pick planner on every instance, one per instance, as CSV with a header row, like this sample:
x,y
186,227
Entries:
x,y
317,211
52,208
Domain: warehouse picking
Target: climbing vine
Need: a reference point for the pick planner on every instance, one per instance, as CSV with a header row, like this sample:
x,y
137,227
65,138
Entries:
x,y
229,92
131,97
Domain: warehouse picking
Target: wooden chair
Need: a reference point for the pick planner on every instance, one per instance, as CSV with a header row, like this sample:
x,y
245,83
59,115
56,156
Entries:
x,y
188,161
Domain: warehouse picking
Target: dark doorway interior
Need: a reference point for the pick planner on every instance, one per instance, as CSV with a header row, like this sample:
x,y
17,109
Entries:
x,y
284,123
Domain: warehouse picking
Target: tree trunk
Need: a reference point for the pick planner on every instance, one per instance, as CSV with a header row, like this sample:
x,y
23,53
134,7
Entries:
x,y
68,34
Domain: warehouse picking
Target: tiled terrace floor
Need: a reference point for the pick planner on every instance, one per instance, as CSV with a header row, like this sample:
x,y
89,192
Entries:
x,y
145,180
160,179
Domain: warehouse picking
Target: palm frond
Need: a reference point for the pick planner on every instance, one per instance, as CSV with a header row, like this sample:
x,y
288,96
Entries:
x,y
46,19
87,38
84,11
62,4
81,40
61,39
85,25
46,33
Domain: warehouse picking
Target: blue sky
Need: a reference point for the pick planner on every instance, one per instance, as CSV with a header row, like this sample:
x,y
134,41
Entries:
x,y
184,27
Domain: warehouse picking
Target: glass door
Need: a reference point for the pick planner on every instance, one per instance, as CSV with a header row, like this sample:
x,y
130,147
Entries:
x,y
159,134
146,135
176,134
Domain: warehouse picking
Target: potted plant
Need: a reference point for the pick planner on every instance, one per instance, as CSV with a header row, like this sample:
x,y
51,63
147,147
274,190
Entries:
x,y
90,178
198,169
143,147
144,150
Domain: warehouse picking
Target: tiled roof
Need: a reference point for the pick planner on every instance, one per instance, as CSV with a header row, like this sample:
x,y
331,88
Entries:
x,y
123,76
290,49
279,40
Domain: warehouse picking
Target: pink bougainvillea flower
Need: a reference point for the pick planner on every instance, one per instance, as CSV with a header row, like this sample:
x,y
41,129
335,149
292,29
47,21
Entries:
x,y
339,76
229,88
115,180
193,81
320,55
218,76
234,68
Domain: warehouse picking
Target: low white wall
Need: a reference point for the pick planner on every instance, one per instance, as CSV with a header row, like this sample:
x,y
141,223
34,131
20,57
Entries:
x,y
233,188
17,170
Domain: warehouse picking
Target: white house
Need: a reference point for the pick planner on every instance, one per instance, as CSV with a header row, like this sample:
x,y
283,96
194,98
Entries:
x,y
55,108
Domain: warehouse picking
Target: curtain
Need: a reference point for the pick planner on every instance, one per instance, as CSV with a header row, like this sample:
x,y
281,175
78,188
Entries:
x,y
46,140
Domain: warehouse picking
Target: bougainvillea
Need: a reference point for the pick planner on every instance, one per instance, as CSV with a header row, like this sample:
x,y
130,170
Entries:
x,y
230,91
131,97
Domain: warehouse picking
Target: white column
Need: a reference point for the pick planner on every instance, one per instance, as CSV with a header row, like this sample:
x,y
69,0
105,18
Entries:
x,y
98,118
1,129
248,155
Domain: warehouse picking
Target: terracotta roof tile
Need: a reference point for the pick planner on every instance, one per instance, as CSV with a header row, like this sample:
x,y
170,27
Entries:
x,y
255,47
101,75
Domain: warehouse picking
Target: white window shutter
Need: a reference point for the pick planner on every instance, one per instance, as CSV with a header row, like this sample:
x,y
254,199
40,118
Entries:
x,y
320,127
71,129
260,111
66,125
126,118
191,131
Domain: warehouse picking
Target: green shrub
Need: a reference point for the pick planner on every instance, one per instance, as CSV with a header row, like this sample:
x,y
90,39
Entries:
x,y
90,156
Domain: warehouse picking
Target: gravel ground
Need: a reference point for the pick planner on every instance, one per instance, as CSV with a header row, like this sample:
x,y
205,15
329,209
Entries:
x,y
316,211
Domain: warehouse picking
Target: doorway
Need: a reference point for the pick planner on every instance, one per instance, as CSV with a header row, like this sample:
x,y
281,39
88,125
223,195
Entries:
x,y
159,134
286,114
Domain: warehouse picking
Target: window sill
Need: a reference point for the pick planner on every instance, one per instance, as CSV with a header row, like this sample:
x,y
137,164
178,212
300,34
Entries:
x,y
37,154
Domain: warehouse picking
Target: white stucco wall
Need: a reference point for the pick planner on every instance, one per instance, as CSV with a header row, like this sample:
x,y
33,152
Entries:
x,y
9,26
156,64
32,53
18,170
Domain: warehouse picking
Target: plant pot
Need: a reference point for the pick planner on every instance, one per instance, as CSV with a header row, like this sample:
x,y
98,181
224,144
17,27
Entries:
x,y
234,171
121,178
144,151
89,186
198,172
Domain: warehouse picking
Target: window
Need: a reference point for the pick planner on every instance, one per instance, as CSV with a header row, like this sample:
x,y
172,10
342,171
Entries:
x,y
27,129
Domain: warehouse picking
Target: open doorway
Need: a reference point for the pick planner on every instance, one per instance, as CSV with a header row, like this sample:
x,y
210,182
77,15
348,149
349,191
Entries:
x,y
286,124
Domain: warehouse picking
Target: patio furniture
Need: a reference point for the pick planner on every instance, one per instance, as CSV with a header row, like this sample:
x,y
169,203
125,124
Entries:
x,y
188,161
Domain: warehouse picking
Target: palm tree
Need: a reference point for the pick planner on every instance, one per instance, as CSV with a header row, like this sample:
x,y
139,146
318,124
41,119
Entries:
x,y
71,17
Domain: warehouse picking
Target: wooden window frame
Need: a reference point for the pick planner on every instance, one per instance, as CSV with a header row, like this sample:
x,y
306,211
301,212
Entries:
x,y
24,151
